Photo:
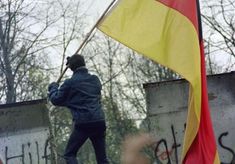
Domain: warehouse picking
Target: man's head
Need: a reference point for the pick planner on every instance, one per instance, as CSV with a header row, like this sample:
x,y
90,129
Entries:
x,y
75,62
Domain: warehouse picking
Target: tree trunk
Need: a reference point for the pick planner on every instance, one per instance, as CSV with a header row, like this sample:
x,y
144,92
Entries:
x,y
10,91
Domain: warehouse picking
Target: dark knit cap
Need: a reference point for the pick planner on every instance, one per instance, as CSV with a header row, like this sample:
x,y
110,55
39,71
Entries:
x,y
75,62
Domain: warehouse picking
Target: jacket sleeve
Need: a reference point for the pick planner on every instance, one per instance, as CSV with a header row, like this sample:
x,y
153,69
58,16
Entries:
x,y
58,95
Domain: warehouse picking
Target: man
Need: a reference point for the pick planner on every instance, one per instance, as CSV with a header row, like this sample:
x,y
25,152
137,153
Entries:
x,y
82,95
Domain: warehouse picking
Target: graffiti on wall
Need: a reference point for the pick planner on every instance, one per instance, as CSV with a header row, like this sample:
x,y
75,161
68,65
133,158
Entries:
x,y
26,147
168,152
29,153
226,147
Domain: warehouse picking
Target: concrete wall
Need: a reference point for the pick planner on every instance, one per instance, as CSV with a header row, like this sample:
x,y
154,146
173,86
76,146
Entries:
x,y
167,110
24,133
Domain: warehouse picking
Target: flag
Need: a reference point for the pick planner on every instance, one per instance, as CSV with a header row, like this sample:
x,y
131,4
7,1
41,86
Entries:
x,y
169,32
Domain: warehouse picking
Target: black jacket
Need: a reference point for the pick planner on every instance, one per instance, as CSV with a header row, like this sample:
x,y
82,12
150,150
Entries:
x,y
81,94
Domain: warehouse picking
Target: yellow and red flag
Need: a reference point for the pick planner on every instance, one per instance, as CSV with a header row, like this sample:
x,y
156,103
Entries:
x,y
169,32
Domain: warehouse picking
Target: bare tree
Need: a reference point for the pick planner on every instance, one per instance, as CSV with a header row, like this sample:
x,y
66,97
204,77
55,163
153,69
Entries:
x,y
219,29
23,41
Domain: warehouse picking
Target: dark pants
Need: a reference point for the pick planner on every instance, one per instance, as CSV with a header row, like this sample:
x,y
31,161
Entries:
x,y
93,131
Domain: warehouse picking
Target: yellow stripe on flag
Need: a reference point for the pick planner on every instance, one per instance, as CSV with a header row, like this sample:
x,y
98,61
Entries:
x,y
165,36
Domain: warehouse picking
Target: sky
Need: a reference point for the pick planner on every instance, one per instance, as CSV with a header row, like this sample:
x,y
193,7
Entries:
x,y
95,7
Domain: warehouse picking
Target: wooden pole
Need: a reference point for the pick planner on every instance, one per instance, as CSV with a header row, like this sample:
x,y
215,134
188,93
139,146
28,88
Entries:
x,y
88,36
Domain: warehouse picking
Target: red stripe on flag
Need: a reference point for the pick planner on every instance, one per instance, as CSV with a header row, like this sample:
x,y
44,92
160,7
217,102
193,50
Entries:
x,y
186,7
203,149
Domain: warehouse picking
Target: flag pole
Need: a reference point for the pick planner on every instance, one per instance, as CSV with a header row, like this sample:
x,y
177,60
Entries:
x,y
88,36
